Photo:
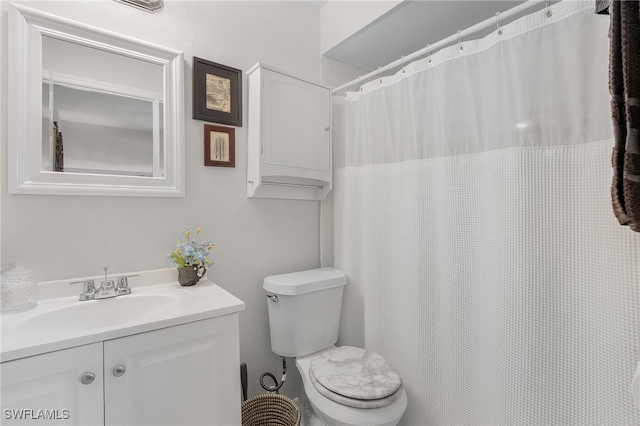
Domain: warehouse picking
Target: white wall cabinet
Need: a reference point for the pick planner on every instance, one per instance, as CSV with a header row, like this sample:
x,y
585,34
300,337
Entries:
x,y
289,152
186,374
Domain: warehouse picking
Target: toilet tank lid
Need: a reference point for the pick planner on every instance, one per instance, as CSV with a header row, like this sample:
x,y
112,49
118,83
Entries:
x,y
304,281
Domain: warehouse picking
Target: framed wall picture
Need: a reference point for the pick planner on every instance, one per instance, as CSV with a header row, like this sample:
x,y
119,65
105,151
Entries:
x,y
219,146
217,93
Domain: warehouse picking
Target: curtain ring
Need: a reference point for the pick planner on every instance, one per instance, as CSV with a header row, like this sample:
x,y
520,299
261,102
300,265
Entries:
x,y
379,68
428,54
459,40
498,23
548,11
402,63
347,91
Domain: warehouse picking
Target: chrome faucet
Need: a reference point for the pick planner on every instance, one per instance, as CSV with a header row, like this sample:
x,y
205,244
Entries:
x,y
107,288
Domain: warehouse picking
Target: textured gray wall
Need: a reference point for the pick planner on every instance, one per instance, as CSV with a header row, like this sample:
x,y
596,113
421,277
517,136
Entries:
x,y
66,236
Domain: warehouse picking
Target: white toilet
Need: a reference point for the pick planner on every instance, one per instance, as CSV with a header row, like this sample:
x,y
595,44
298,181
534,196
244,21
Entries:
x,y
344,385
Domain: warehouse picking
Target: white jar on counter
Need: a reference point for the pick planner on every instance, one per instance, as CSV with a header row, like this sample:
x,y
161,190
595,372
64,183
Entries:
x,y
19,289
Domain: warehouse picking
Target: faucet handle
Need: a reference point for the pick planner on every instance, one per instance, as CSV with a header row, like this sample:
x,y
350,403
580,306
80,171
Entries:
x,y
88,286
88,289
123,284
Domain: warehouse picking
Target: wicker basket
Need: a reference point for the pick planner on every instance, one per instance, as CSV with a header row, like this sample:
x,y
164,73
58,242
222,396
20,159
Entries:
x,y
270,409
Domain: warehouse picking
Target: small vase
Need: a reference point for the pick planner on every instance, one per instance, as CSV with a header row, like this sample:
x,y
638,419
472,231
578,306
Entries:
x,y
189,275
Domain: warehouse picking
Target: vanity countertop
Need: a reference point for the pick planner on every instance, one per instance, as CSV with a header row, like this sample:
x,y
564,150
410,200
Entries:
x,y
61,321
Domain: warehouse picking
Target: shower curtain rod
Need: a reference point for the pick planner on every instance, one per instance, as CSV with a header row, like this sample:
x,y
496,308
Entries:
x,y
487,23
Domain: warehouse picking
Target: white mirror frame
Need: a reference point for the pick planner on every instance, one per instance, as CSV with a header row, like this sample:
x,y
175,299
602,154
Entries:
x,y
26,28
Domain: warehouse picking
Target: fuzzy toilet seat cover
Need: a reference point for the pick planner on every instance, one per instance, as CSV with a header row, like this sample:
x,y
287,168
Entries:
x,y
355,377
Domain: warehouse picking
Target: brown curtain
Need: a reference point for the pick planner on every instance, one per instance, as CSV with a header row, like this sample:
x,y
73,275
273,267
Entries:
x,y
624,86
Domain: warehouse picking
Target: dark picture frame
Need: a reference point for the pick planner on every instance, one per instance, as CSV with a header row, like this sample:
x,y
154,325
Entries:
x,y
219,146
217,93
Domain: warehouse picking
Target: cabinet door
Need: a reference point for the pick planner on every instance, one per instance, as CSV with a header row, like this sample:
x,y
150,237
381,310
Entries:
x,y
182,375
48,390
296,117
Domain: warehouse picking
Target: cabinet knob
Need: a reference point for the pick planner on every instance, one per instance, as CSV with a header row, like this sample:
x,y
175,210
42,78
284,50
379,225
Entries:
x,y
87,378
118,370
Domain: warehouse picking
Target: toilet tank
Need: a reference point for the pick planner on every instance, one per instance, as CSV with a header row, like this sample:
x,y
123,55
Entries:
x,y
304,315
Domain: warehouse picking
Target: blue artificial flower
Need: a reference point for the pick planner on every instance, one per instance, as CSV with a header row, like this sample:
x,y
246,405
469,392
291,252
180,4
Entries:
x,y
192,252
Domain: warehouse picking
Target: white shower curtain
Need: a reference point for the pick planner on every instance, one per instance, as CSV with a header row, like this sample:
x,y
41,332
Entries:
x,y
473,220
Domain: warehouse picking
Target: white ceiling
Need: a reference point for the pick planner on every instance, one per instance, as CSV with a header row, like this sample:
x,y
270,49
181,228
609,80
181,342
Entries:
x,y
411,26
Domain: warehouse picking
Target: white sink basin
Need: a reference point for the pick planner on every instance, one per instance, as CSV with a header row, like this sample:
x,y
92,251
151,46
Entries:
x,y
61,321
100,313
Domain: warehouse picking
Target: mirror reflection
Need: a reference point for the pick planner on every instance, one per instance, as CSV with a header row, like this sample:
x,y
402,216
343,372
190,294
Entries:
x,y
102,114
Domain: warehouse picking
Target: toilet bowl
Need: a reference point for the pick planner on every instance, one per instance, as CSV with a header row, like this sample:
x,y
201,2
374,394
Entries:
x,y
304,319
333,413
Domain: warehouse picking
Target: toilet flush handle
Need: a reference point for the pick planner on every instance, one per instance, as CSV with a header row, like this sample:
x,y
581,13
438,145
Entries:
x,y
273,297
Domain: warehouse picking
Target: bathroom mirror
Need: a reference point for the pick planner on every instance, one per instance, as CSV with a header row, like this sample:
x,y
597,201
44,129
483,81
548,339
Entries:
x,y
92,112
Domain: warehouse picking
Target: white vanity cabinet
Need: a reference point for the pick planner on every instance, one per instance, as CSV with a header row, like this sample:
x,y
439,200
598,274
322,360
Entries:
x,y
185,375
289,148
47,389
179,375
